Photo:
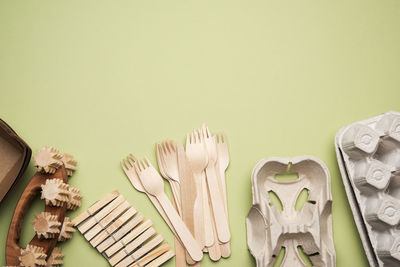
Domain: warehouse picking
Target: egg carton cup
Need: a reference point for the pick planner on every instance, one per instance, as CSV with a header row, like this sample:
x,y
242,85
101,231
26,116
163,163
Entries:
x,y
269,229
368,154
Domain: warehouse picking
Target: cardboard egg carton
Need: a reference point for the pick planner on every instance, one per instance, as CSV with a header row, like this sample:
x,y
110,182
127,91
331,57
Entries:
x,y
309,227
368,154
121,234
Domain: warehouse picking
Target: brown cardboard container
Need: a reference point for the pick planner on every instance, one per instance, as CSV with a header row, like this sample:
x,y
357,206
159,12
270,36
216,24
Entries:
x,y
15,155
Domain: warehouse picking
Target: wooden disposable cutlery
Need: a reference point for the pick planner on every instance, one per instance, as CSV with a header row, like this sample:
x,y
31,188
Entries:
x,y
196,174
197,157
217,203
153,184
166,156
168,164
222,165
129,169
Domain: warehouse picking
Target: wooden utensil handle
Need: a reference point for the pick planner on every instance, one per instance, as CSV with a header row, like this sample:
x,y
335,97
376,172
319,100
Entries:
x,y
198,211
221,221
185,236
13,249
160,210
208,221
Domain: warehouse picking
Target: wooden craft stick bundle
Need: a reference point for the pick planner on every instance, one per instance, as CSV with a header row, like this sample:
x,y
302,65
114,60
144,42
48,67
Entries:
x,y
121,234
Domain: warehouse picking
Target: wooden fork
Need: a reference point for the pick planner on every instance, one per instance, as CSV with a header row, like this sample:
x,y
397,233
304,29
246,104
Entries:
x,y
154,185
197,156
167,159
222,165
217,203
163,158
129,169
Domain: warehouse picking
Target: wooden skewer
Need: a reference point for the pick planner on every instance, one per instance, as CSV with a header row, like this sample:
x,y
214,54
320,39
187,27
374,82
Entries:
x,y
113,227
128,238
132,246
106,220
141,251
85,226
95,207
120,233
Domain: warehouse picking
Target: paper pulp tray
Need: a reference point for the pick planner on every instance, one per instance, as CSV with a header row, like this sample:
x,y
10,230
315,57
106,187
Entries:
x,y
308,228
368,154
15,155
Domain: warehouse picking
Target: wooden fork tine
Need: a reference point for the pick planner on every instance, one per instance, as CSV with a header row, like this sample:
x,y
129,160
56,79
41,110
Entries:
x,y
192,140
208,132
218,138
143,164
159,153
132,157
127,165
187,139
138,167
172,145
123,167
131,162
148,162
163,148
202,132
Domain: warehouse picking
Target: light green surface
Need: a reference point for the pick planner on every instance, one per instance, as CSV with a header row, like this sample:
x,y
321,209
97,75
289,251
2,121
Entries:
x,y
100,79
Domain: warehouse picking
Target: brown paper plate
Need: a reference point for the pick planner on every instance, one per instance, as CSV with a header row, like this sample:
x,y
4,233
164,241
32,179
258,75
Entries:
x,y
15,155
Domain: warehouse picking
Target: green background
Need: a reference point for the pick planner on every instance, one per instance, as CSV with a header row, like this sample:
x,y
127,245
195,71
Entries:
x,y
100,79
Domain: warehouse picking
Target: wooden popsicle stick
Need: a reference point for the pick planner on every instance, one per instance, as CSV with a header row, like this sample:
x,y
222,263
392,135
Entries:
x,y
132,246
86,225
95,207
217,204
106,220
141,251
152,255
129,226
208,221
113,227
161,260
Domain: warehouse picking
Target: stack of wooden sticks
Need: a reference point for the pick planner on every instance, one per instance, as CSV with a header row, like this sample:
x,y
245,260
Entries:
x,y
196,175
